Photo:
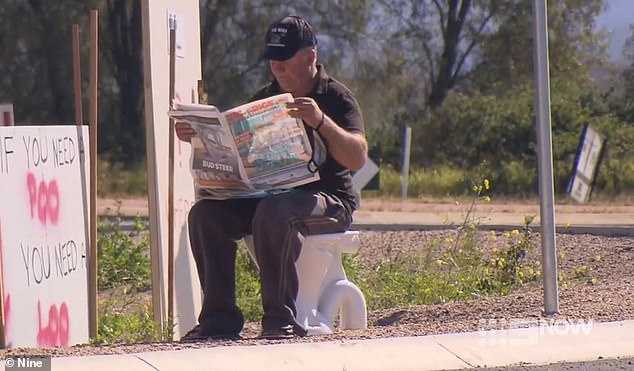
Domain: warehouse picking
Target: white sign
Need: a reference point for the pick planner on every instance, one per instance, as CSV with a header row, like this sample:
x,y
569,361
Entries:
x,y
6,115
44,235
364,175
188,295
586,164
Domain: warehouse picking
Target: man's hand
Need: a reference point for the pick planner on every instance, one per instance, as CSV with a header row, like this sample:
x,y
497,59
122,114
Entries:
x,y
306,109
184,131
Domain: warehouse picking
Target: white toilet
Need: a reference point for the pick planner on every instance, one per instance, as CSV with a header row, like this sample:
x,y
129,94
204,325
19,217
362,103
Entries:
x,y
324,289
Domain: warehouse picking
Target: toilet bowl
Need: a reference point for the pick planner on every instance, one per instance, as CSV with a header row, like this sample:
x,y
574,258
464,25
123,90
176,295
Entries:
x,y
324,290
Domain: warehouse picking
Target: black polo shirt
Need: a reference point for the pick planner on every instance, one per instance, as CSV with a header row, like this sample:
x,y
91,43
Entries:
x,y
338,103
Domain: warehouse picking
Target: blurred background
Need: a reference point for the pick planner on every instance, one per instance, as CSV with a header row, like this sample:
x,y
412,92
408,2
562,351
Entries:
x,y
459,73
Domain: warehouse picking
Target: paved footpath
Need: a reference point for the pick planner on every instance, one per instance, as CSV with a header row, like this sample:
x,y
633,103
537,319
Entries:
x,y
517,348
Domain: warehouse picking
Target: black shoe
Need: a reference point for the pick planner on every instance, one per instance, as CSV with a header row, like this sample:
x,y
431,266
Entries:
x,y
282,332
199,333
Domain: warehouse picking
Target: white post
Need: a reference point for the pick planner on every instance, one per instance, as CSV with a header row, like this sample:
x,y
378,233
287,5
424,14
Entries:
x,y
405,169
544,155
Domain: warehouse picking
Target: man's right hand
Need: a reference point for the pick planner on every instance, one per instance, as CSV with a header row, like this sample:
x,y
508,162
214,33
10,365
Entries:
x,y
184,131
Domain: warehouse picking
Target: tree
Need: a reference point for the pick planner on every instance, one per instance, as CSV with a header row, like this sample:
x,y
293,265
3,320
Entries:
x,y
122,51
232,37
35,39
574,45
622,103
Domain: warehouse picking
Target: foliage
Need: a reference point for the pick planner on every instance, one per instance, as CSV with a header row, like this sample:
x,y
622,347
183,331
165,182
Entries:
x,y
451,268
123,256
248,285
115,180
119,324
123,279
389,52
444,181
510,262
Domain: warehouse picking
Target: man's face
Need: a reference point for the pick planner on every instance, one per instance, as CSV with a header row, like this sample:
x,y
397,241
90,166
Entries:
x,y
293,73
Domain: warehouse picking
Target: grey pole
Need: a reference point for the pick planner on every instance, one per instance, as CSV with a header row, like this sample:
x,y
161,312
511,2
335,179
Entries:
x,y
405,169
544,155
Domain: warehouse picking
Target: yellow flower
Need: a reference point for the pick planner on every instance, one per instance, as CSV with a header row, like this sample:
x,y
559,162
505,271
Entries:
x,y
487,199
486,184
515,232
507,235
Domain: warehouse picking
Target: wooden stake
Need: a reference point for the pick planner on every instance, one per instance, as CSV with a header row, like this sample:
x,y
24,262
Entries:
x,y
3,343
170,192
92,268
77,76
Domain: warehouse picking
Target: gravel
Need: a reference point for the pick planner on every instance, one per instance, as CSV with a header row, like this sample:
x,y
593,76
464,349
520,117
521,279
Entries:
x,y
610,262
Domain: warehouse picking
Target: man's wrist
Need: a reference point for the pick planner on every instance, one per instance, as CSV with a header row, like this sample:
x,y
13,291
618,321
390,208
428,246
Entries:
x,y
321,122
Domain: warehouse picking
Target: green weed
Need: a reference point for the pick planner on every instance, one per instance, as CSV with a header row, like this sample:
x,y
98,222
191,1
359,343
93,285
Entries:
x,y
123,256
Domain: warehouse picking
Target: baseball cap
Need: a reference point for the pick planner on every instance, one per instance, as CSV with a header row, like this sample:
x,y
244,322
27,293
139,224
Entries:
x,y
286,36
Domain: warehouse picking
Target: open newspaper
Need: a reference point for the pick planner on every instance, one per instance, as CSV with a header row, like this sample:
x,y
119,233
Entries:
x,y
249,151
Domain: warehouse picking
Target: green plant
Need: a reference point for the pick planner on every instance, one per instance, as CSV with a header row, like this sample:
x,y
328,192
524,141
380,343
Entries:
x,y
248,286
122,256
115,179
125,315
128,321
510,263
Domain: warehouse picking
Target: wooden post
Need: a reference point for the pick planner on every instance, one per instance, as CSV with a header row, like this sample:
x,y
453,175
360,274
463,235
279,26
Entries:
x,y
203,96
77,76
2,339
170,192
92,268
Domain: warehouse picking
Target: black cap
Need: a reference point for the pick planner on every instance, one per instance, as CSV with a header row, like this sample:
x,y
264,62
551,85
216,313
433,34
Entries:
x,y
287,36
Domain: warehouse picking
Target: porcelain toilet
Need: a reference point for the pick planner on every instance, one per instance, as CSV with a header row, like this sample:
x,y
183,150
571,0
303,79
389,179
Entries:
x,y
324,289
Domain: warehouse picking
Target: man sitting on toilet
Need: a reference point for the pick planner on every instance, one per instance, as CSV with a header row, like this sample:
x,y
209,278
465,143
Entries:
x,y
329,110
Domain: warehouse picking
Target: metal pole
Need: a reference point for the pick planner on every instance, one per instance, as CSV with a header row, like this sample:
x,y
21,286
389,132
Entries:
x,y
170,192
405,169
544,155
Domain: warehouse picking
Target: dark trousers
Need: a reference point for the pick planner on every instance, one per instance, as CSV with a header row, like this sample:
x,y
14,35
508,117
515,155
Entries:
x,y
278,224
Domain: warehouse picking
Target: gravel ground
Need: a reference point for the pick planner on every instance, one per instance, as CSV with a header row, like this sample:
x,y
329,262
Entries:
x,y
610,298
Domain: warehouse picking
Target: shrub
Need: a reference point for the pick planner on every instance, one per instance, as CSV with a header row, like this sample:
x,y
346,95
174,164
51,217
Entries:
x,y
123,257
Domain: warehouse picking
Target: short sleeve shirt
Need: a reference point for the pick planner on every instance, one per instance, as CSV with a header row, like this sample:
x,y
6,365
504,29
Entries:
x,y
338,103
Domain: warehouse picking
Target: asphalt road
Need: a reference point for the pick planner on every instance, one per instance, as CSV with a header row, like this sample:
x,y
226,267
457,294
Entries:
x,y
598,365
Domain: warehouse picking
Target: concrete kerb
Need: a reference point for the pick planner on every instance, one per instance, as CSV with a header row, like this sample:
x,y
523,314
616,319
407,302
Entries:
x,y
560,342
598,230
620,223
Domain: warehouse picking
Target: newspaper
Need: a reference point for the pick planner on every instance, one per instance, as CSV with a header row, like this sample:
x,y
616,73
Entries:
x,y
253,150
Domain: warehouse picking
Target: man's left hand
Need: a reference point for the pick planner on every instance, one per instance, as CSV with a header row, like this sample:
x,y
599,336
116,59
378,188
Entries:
x,y
306,109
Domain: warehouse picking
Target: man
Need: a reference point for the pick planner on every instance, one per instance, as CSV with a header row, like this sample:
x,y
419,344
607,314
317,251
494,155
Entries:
x,y
278,223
